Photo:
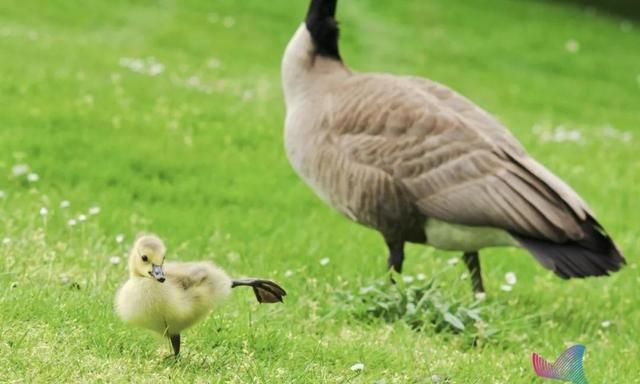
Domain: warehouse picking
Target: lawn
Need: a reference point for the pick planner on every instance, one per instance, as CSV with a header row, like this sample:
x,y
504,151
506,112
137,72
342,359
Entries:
x,y
167,116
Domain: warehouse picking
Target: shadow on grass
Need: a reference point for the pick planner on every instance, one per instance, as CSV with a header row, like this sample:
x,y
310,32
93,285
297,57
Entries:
x,y
628,9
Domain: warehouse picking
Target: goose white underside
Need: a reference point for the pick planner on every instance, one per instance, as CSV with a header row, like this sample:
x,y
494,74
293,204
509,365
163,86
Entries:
x,y
454,237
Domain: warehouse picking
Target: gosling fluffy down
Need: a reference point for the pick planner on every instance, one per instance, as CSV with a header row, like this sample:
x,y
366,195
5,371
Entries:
x,y
170,297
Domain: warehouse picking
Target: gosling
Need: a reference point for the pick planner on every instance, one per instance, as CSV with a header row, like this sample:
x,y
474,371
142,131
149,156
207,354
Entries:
x,y
168,298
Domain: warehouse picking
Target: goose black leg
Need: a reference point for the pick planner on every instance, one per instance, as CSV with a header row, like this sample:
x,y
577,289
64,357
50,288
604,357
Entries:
x,y
472,261
396,255
175,343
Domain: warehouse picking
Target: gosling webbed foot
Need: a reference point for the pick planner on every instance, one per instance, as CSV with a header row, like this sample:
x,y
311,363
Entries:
x,y
266,291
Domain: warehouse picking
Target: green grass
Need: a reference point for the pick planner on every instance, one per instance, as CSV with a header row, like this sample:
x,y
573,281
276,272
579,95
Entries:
x,y
195,154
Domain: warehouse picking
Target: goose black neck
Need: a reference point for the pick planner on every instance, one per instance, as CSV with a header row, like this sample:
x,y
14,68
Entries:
x,y
323,27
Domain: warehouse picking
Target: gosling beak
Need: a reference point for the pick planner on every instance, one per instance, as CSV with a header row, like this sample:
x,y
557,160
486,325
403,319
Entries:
x,y
157,273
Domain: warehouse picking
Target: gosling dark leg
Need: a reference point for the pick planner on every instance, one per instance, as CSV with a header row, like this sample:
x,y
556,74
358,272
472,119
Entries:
x,y
175,343
396,255
472,261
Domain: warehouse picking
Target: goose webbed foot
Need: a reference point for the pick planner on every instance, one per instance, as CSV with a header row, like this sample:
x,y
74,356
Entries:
x,y
472,261
266,291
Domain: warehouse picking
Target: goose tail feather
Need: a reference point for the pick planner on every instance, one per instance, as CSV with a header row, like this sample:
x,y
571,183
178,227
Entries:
x,y
595,254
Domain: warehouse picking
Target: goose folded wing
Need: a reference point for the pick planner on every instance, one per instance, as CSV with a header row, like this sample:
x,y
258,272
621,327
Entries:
x,y
186,276
465,170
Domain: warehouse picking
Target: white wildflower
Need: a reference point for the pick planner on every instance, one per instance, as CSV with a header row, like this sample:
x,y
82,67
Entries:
x,y
119,238
453,261
193,81
132,64
149,66
72,222
421,276
6,241
367,289
33,177
213,18
247,95
435,379
19,169
44,211
480,296
228,21
610,131
136,65
510,278
572,46
561,134
606,324
94,210
82,218
65,204
357,367
324,261
407,279
64,279
87,99
115,260
214,63
506,287
155,69
288,273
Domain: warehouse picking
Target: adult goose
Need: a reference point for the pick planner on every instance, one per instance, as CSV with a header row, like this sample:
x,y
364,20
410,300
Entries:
x,y
420,163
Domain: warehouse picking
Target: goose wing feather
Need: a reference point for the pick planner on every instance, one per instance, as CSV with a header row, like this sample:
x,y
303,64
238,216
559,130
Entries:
x,y
458,163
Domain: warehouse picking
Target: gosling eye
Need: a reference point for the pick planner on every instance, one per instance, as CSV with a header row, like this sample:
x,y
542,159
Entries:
x,y
145,258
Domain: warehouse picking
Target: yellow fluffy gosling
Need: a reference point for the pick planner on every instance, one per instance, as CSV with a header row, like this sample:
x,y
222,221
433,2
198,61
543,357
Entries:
x,y
167,298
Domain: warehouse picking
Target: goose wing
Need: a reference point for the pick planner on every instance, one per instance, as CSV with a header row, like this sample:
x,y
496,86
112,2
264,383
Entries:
x,y
188,275
458,163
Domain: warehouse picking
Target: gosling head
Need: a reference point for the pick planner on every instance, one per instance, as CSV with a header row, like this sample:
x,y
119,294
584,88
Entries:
x,y
146,258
